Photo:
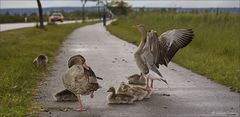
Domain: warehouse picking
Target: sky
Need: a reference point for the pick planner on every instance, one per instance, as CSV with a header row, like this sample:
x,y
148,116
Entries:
x,y
133,3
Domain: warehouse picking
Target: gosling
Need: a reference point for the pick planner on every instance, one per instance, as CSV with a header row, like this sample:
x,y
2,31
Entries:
x,y
41,60
114,98
136,79
65,95
138,93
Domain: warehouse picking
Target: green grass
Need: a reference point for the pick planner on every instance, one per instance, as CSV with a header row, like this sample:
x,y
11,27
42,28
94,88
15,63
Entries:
x,y
214,51
18,75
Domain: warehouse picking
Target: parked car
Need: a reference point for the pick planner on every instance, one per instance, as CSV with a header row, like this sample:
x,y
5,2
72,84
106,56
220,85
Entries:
x,y
56,17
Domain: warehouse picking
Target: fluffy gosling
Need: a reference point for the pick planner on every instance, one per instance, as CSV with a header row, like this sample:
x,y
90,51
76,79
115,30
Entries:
x,y
114,98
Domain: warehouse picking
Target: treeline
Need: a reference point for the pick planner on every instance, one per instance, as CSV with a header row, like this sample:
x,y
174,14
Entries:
x,y
9,18
189,10
33,17
77,15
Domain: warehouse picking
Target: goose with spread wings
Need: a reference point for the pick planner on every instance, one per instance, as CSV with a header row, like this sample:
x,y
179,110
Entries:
x,y
155,50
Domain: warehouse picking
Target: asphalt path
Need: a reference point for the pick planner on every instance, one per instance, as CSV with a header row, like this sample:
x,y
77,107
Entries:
x,y
187,95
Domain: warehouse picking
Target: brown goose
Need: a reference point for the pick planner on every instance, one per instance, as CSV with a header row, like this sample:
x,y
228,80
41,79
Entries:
x,y
154,50
77,79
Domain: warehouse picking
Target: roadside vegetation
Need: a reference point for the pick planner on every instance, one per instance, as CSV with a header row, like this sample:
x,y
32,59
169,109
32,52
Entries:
x,y
19,77
214,51
16,18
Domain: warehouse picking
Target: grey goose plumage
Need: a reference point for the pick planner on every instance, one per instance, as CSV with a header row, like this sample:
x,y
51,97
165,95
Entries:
x,y
155,50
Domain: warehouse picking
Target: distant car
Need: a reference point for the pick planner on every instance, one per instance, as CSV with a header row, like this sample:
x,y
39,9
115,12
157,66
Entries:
x,y
56,17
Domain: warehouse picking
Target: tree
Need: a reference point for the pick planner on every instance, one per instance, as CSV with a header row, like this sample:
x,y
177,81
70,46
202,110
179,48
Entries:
x,y
83,9
7,14
119,7
40,14
98,4
103,3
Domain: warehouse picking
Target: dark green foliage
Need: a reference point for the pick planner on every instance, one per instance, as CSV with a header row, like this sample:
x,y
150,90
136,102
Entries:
x,y
119,7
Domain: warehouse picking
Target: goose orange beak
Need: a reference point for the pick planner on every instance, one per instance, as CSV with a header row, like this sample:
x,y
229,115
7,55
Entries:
x,y
85,66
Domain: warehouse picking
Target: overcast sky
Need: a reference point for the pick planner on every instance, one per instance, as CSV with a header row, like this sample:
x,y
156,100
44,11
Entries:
x,y
134,3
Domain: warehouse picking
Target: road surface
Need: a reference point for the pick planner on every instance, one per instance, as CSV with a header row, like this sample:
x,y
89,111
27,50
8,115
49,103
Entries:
x,y
188,94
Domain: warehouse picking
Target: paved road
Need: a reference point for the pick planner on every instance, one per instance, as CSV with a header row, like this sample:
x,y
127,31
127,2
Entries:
x,y
11,26
191,95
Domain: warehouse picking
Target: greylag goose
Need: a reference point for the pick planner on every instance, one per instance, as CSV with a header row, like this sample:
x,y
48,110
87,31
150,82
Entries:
x,y
154,50
78,81
114,98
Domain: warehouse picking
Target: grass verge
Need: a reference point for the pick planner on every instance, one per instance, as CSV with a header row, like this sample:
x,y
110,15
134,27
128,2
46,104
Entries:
x,y
214,51
18,75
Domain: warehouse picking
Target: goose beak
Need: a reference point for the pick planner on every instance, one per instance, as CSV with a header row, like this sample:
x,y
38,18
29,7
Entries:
x,y
85,66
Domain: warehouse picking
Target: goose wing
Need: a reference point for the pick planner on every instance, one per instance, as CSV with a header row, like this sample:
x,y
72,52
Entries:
x,y
164,47
160,50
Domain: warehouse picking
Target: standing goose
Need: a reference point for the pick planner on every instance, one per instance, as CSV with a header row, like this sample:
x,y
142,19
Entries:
x,y
78,81
154,50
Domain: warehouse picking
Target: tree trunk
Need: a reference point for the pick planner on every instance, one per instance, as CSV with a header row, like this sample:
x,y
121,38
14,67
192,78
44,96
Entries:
x,y
83,13
104,16
83,10
99,14
40,14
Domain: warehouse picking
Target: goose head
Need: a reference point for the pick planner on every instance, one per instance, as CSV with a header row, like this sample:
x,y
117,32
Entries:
x,y
42,57
78,60
111,89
